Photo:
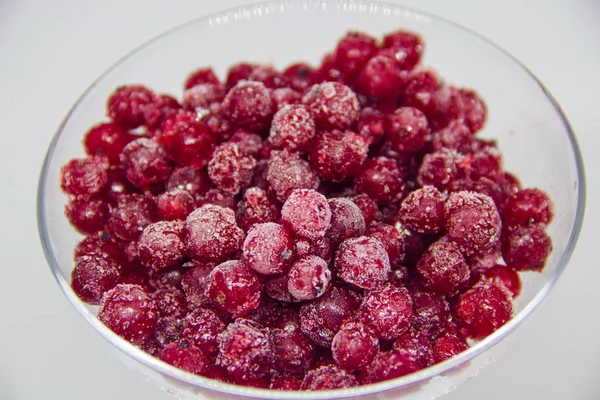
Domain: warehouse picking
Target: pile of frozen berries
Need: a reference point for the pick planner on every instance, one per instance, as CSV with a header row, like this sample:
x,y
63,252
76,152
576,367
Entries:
x,y
305,229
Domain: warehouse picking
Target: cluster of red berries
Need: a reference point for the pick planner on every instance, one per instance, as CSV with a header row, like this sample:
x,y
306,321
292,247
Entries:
x,y
305,229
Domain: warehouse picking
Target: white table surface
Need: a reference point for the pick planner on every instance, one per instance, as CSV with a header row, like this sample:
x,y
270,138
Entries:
x,y
51,51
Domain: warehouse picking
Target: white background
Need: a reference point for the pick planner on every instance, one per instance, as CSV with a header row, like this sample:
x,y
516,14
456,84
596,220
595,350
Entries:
x,y
51,51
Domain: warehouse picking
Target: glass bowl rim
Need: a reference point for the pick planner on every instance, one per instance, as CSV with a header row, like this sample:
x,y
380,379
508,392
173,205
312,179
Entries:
x,y
231,389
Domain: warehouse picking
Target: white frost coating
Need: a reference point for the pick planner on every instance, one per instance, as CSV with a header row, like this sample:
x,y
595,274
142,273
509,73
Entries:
x,y
333,103
473,221
308,278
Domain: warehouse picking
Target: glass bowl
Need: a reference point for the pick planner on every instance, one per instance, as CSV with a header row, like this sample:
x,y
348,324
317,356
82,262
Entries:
x,y
534,135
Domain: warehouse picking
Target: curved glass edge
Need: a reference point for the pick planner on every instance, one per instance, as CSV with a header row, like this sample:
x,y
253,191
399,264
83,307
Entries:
x,y
282,6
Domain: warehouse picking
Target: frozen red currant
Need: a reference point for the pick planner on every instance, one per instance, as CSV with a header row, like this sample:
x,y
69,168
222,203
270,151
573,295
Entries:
x,y
353,51
217,197
128,218
472,221
307,213
132,253
510,184
286,172
193,283
420,90
372,125
416,344
321,247
268,248
212,233
423,210
101,244
106,140
388,311
174,204
439,168
333,105
382,77
292,128
293,353
448,346
202,96
201,76
526,248
201,328
169,278
254,208
193,180
219,373
482,262
474,110
407,129
445,106
329,71
269,76
407,45
145,162
155,113
276,287
85,176
129,312
455,136
483,309
415,243
347,220
389,365
399,275
430,310
368,208
391,238
230,169
244,350
362,261
87,215
184,355
526,207
504,277
483,163
443,268
322,318
301,76
249,143
271,313
238,72
168,330
135,274
169,303
284,382
118,184
126,105
380,179
338,155
248,106
161,244
93,276
308,278
234,288
354,346
285,96
328,377
187,140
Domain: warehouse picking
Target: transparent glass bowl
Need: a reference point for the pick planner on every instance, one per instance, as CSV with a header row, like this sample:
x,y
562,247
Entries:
x,y
534,135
